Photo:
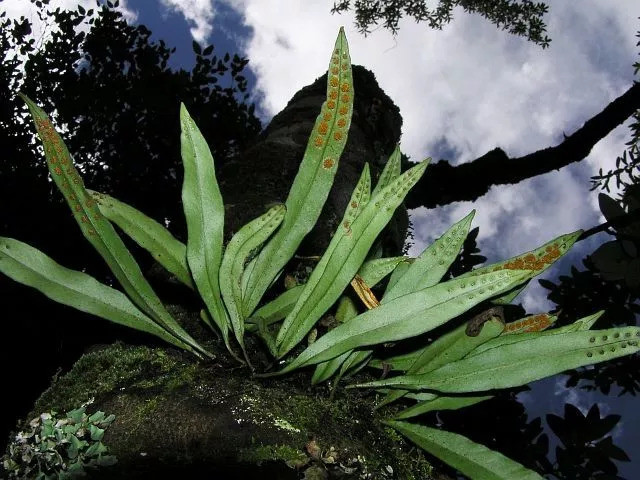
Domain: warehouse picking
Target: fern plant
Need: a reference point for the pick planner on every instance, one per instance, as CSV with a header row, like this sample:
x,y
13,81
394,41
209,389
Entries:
x,y
458,369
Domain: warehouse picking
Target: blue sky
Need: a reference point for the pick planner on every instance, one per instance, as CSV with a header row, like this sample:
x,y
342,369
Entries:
x,y
462,91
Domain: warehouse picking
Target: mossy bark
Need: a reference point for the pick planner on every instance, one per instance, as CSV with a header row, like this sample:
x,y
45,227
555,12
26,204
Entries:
x,y
175,416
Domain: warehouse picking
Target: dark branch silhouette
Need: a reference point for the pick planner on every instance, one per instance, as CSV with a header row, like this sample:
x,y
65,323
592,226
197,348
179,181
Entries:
x,y
445,183
607,226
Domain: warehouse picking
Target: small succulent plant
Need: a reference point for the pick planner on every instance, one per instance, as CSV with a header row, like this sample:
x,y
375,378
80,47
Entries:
x,y
59,447
458,369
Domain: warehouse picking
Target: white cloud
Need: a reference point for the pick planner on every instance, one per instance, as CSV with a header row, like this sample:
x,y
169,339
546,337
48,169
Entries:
x,y
199,13
470,88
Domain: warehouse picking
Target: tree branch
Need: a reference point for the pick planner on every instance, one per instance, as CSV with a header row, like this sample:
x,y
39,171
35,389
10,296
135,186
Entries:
x,y
444,183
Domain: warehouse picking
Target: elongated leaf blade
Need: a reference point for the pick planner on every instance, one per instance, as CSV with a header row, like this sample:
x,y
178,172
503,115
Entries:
x,y
390,172
357,360
278,308
407,316
342,262
247,239
472,459
325,370
314,178
345,312
536,261
449,348
204,213
429,268
371,272
398,273
248,270
509,338
166,249
33,268
455,345
99,231
359,198
437,403
349,362
400,362
523,362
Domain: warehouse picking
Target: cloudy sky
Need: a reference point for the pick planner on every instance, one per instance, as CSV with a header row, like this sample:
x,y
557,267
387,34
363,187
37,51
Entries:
x,y
461,91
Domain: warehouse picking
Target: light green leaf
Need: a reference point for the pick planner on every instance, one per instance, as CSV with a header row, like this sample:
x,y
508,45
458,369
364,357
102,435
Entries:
x,y
276,309
325,370
429,268
246,240
346,311
407,316
422,272
455,345
248,269
508,338
390,172
437,403
96,417
341,262
33,268
397,274
359,198
373,271
536,261
522,362
99,231
449,348
95,449
204,212
315,176
472,459
580,325
96,433
166,249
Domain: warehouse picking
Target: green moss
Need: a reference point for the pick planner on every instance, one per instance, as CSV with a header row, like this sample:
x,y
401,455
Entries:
x,y
270,453
183,378
104,371
412,464
143,411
